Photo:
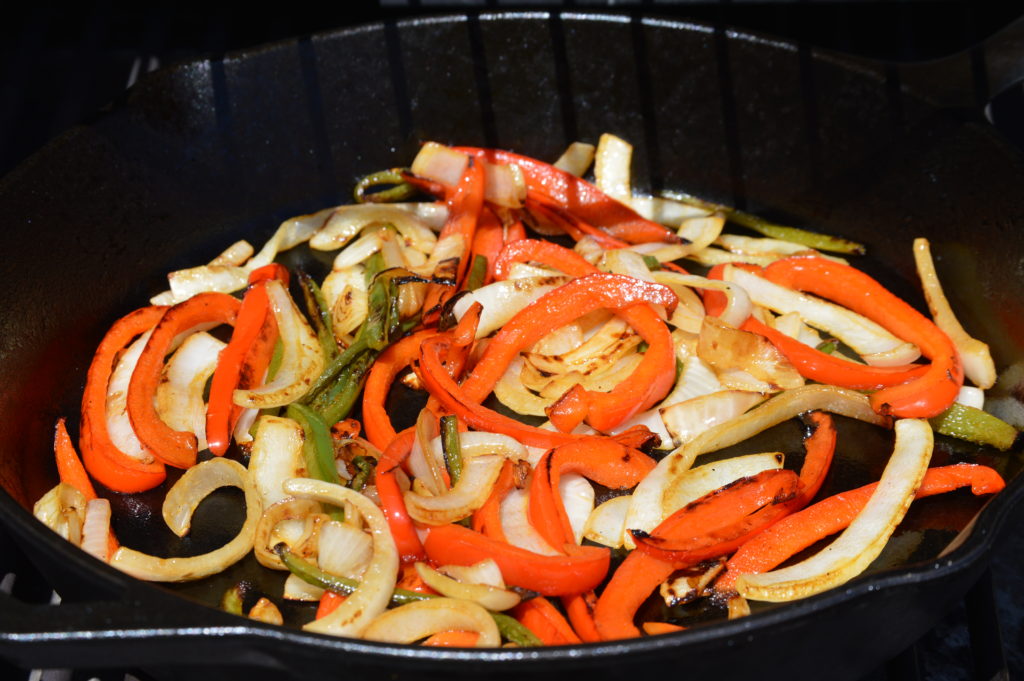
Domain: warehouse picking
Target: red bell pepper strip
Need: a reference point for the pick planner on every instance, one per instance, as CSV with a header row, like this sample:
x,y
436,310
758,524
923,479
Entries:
x,y
819,447
549,212
101,457
927,395
649,382
329,602
544,252
69,466
487,518
604,461
720,522
544,620
174,448
811,362
244,361
488,241
798,531
578,197
385,370
632,583
580,609
402,530
581,570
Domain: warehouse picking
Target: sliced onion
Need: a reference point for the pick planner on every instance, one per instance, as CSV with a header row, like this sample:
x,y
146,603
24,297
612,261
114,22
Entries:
x,y
971,397
484,572
283,521
738,304
96,529
688,587
515,523
860,333
194,486
119,426
62,509
374,592
611,167
502,300
576,158
289,234
696,379
343,550
427,468
596,354
646,506
298,589
666,211
347,221
301,362
511,392
471,491
975,355
686,420
607,523
711,256
235,254
359,250
748,245
524,270
627,262
701,231
276,456
694,483
345,293
244,424
266,611
217,278
578,499
417,620
726,348
179,397
863,540
486,596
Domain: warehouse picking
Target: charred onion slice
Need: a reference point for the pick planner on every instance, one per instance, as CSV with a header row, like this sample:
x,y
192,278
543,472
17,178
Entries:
x,y
194,486
864,539
276,455
372,596
484,595
417,620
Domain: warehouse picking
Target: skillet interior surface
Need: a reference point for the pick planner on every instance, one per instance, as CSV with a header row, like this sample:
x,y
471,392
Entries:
x,y
204,154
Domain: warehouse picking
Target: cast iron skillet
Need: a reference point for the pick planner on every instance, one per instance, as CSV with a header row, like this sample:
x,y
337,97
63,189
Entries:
x,y
198,156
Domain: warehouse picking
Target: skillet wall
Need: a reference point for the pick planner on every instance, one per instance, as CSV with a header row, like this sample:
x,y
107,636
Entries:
x,y
202,155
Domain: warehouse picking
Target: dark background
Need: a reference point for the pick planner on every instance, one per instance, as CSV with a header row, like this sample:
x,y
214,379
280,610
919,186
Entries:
x,y
59,65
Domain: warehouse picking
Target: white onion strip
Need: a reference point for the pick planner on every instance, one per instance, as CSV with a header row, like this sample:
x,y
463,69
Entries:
x,y
179,396
181,501
373,594
413,621
276,456
484,595
301,362
863,540
96,529
975,355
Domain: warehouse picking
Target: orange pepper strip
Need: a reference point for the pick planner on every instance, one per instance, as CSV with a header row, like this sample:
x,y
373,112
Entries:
x,y
656,628
580,608
329,602
811,362
174,448
488,241
544,252
632,583
487,518
543,619
578,197
721,521
795,533
385,370
402,530
925,396
452,639
244,361
548,210
604,461
101,457
69,466
649,382
582,569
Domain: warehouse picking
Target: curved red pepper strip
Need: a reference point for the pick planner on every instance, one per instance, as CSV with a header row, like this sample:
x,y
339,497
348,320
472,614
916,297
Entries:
x,y
244,361
487,518
175,448
604,461
391,362
544,620
582,570
811,362
101,457
550,213
819,447
69,467
721,521
402,530
544,252
580,609
578,197
488,241
632,583
927,395
649,382
802,529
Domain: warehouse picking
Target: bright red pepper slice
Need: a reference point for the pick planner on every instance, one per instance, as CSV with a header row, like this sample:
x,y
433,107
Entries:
x,y
544,620
575,195
244,361
927,395
402,530
101,457
175,448
798,531
391,362
583,569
